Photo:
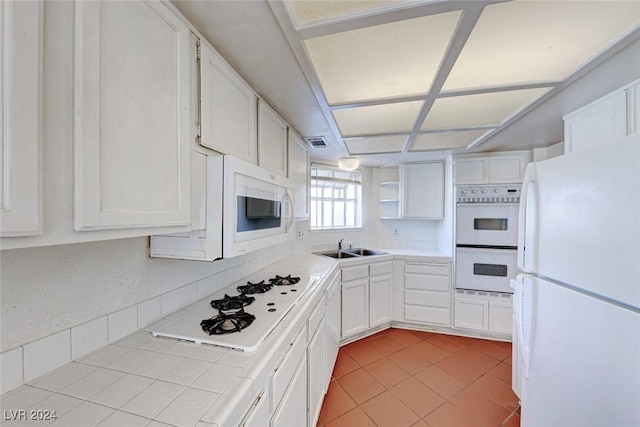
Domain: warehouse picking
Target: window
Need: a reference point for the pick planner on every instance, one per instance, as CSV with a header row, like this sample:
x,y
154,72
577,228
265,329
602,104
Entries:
x,y
336,198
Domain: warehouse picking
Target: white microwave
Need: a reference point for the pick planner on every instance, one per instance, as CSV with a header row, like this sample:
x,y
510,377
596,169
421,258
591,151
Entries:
x,y
258,208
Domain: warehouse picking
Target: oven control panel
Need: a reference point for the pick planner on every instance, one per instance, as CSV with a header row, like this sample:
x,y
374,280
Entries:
x,y
488,193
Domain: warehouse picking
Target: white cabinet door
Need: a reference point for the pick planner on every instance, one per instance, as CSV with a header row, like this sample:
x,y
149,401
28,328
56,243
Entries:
x,y
299,174
272,140
204,241
472,170
20,139
316,358
423,190
259,414
379,300
599,123
500,316
355,307
471,314
292,410
633,106
228,108
132,130
507,169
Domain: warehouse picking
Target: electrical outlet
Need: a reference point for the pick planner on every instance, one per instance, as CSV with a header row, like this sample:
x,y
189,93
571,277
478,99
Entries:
x,y
300,234
395,232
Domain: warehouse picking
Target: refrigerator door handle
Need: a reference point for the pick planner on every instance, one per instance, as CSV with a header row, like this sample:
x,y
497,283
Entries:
x,y
527,219
526,321
518,314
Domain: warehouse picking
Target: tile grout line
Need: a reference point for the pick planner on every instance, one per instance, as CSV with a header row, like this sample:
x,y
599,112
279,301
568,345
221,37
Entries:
x,y
460,345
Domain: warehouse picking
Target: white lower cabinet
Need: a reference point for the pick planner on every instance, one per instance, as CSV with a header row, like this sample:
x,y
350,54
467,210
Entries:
x,y
259,412
500,316
379,300
472,314
491,312
355,307
316,357
427,293
292,410
366,297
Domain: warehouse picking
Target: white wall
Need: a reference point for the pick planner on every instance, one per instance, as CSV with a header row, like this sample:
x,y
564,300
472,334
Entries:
x,y
375,233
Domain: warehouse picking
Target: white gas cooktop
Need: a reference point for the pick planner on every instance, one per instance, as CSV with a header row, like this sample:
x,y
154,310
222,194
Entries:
x,y
268,308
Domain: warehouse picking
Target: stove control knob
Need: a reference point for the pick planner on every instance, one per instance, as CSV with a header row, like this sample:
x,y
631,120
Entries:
x,y
474,191
464,191
496,191
484,190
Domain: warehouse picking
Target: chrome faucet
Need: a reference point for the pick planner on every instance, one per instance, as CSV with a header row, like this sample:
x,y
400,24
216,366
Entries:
x,y
340,244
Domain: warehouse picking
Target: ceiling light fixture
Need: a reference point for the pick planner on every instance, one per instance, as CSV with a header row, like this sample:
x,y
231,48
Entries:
x,y
348,163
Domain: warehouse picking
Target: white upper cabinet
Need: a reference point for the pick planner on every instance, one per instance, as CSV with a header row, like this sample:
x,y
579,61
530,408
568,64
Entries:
x,y
423,190
228,108
204,241
299,174
272,140
132,127
20,139
604,120
472,170
495,168
599,123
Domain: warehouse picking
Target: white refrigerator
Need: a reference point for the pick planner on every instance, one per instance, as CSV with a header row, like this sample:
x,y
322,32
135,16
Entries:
x,y
576,347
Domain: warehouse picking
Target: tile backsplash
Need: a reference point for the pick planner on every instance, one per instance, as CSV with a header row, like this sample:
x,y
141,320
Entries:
x,y
30,360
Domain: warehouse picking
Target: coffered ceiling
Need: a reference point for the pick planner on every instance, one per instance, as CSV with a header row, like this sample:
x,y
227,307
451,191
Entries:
x,y
407,76
402,80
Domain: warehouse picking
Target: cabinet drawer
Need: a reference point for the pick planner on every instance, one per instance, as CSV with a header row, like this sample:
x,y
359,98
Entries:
x,y
284,372
380,268
424,268
355,272
426,282
427,298
440,316
315,318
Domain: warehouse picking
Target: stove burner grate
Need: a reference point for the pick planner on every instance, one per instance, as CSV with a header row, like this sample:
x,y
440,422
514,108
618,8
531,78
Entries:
x,y
227,323
284,281
232,303
255,288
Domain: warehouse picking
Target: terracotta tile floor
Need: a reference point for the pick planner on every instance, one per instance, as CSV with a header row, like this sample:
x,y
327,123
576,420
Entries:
x,y
400,378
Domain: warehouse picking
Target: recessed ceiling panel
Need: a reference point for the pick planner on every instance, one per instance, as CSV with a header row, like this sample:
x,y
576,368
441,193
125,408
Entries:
x,y
478,110
306,12
377,119
372,145
445,140
389,60
532,41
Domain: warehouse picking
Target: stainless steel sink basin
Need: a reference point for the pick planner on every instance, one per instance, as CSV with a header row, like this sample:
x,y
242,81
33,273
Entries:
x,y
337,254
351,253
366,252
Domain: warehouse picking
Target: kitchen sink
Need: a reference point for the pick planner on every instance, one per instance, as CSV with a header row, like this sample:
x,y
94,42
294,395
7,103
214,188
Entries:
x,y
365,252
337,254
351,253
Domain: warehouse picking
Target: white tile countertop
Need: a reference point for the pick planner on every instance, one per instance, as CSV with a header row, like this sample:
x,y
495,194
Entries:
x,y
146,381
143,380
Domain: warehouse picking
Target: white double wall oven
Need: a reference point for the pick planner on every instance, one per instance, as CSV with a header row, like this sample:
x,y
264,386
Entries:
x,y
486,237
